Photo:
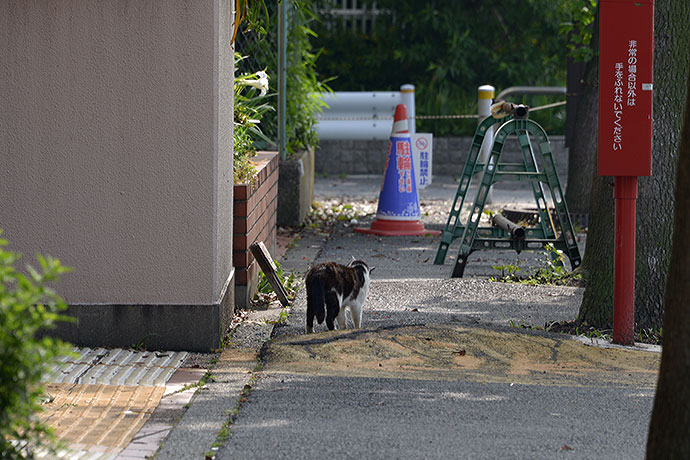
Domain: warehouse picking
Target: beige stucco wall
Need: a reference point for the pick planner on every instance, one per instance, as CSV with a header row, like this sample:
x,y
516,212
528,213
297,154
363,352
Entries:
x,y
116,145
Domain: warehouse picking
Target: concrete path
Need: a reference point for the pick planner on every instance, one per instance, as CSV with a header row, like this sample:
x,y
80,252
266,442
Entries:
x,y
437,371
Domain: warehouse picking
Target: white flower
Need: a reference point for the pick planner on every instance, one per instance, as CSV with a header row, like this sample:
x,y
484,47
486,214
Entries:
x,y
263,81
260,83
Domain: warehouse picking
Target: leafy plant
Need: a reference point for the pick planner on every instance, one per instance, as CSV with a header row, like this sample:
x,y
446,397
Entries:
x,y
509,273
265,290
253,14
303,84
552,271
578,20
651,335
140,345
282,316
251,105
520,325
28,305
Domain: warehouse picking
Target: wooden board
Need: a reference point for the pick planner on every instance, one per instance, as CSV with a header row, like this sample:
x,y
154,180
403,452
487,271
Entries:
x,y
269,268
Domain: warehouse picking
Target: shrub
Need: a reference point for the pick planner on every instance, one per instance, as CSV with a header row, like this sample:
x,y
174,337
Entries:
x,y
250,106
27,306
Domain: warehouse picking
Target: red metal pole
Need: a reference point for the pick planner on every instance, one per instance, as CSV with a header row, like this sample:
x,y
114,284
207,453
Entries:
x,y
625,194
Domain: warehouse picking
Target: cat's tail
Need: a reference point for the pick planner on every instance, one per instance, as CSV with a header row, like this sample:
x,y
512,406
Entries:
x,y
316,300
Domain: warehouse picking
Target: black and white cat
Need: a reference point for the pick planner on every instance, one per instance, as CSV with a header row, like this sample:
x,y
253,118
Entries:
x,y
332,288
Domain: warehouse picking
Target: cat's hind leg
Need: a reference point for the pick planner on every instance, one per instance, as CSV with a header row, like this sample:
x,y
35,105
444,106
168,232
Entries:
x,y
311,308
356,312
342,319
332,309
310,323
315,303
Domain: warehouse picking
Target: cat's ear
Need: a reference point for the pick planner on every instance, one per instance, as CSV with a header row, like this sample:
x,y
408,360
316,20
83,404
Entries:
x,y
360,271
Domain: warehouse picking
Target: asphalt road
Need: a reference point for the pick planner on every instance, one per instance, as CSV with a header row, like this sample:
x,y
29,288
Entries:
x,y
289,416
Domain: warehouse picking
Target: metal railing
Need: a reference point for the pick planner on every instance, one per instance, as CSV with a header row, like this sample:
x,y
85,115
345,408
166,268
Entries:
x,y
364,115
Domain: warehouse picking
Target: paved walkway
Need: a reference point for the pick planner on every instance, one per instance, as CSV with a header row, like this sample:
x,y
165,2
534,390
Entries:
x,y
437,371
101,401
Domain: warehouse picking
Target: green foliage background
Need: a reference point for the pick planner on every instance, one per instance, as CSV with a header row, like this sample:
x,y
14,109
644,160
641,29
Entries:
x,y
258,40
447,48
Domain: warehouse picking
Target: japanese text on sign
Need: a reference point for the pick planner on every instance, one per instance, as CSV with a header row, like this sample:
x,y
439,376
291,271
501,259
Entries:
x,y
632,72
423,168
619,91
618,107
404,166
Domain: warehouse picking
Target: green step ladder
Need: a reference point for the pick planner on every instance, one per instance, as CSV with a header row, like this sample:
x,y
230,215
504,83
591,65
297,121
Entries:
x,y
472,236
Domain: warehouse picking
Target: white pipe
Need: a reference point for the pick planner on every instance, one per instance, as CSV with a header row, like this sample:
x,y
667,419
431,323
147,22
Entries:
x,y
485,96
364,115
354,129
407,98
381,103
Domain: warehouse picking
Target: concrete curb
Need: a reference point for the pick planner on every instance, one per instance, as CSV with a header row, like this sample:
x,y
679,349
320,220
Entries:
x,y
203,426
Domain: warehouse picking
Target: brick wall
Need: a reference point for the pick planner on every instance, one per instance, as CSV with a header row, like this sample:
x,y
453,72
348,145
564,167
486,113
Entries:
x,y
255,207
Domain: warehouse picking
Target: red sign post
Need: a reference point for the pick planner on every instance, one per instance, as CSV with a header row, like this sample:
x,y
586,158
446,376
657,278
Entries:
x,y
626,46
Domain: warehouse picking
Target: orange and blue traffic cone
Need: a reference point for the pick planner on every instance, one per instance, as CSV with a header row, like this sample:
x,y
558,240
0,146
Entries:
x,y
398,211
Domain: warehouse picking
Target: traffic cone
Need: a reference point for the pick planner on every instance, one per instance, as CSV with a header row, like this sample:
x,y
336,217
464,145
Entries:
x,y
398,211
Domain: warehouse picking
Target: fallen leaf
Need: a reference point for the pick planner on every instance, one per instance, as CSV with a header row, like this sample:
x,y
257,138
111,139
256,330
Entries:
x,y
565,447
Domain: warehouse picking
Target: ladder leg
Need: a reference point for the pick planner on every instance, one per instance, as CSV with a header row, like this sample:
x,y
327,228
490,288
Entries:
x,y
545,219
453,225
568,241
470,230
459,268
537,187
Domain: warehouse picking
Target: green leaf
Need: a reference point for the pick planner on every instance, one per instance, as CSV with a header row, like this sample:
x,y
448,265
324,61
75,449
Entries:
x,y
26,306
